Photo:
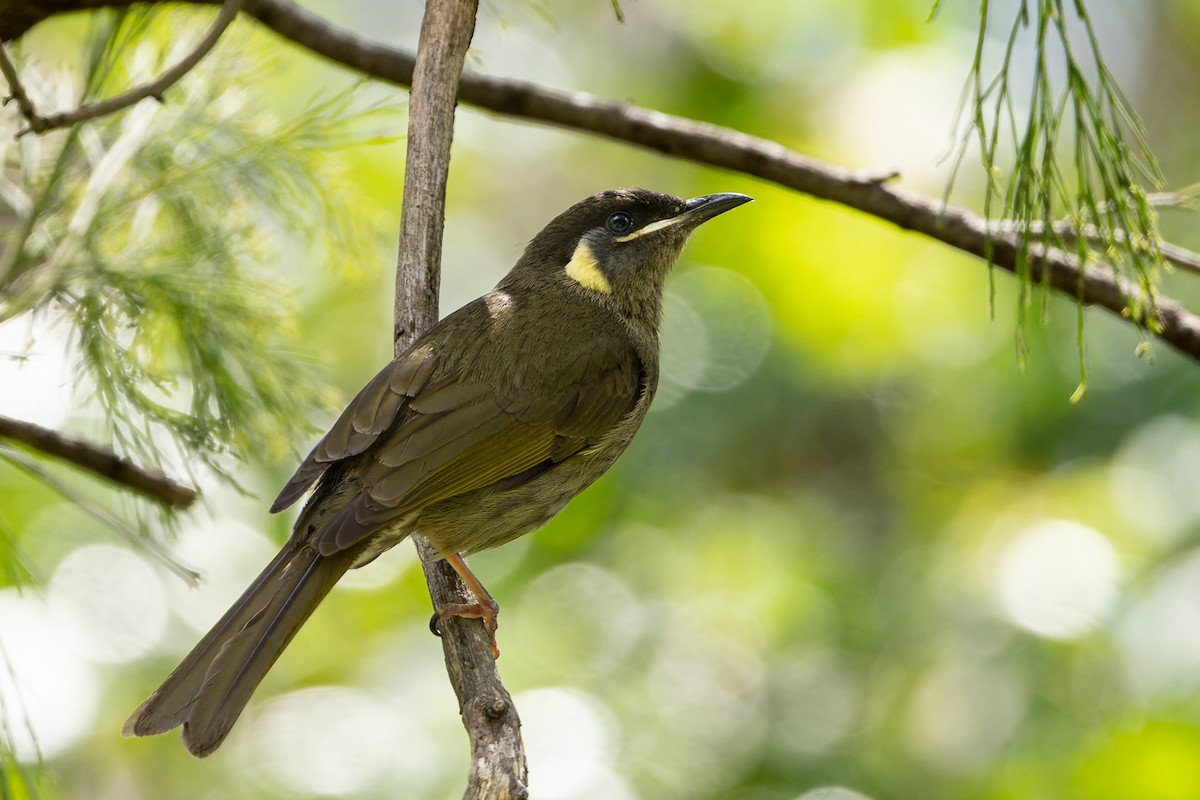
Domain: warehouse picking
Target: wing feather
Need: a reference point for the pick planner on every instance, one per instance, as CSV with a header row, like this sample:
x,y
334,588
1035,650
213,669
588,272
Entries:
x,y
455,436
375,409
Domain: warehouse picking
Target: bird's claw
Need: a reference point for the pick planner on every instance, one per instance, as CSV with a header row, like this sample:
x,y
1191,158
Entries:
x,y
489,615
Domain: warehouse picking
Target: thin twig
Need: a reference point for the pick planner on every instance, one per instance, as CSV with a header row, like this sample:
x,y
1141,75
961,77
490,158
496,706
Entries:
x,y
1181,257
498,769
99,461
1175,255
29,466
39,123
15,87
1185,198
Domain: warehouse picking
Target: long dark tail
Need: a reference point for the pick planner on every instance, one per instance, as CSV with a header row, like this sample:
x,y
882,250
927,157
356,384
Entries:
x,y
208,690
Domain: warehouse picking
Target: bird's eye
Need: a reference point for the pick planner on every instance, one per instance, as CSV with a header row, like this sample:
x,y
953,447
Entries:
x,y
620,222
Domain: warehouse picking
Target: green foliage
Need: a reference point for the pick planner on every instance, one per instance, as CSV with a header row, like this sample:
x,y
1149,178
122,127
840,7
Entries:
x,y
156,237
18,780
153,234
1078,150
802,581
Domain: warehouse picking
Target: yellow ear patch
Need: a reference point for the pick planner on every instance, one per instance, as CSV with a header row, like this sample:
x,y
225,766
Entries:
x,y
584,270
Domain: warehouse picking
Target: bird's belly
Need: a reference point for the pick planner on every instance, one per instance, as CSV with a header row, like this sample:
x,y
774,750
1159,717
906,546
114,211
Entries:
x,y
383,540
489,517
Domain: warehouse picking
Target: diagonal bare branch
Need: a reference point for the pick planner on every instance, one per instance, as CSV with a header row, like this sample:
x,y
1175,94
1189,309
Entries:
x,y
750,155
704,144
99,461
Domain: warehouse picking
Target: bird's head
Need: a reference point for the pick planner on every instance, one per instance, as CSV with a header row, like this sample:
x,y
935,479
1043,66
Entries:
x,y
615,248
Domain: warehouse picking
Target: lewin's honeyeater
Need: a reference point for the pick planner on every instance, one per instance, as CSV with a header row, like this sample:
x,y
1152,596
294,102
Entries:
x,y
480,432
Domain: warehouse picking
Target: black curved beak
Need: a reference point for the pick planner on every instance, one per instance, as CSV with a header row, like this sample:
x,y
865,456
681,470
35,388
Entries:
x,y
705,207
695,212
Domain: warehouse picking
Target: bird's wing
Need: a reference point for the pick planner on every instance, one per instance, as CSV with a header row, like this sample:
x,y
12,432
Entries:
x,y
463,435
374,410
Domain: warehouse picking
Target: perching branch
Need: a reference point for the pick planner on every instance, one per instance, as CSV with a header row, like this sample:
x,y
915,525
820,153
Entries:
x,y
39,123
498,770
716,146
98,461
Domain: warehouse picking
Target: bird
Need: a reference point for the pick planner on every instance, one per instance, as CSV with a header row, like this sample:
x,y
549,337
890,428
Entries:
x,y
481,431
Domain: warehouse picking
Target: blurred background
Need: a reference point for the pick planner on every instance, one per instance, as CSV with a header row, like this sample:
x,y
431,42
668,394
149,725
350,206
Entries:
x,y
859,549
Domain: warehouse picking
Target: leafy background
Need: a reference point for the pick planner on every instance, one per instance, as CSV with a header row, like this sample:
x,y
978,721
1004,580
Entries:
x,y
858,549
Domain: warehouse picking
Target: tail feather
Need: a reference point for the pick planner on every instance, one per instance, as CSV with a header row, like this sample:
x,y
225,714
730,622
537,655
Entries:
x,y
168,706
208,691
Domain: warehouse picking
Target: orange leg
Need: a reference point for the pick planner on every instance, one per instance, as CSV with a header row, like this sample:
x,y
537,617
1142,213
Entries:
x,y
485,608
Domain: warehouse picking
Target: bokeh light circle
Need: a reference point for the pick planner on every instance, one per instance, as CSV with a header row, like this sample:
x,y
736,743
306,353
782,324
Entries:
x,y
332,742
814,701
833,793
579,620
227,554
716,332
562,765
1160,633
962,712
737,324
48,696
1057,579
1152,477
113,603
683,351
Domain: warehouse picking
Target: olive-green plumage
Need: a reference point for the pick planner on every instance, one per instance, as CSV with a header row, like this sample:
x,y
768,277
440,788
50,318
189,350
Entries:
x,y
482,431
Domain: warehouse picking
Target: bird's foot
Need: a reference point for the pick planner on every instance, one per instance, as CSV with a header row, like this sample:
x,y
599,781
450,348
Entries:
x,y
488,612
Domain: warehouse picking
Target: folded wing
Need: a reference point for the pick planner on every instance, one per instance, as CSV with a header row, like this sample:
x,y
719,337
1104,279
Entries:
x,y
458,435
